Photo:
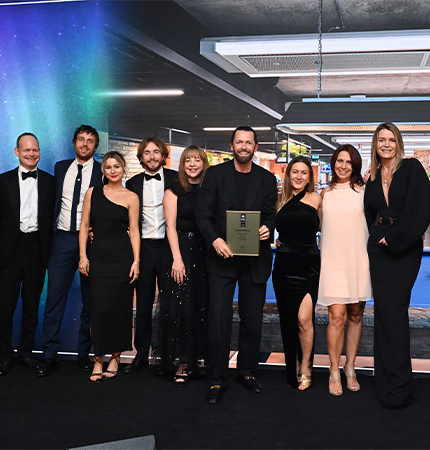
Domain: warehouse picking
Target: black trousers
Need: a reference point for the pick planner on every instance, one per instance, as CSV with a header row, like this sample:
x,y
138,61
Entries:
x,y
26,272
151,268
251,301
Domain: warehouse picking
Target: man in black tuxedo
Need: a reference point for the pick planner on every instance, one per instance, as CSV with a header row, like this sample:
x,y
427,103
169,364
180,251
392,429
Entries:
x,y
239,185
26,211
149,186
73,177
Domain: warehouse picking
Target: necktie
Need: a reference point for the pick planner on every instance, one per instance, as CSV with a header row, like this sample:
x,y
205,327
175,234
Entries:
x,y
148,176
26,175
76,197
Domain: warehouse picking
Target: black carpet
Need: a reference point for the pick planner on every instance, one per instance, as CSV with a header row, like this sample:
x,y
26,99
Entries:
x,y
66,410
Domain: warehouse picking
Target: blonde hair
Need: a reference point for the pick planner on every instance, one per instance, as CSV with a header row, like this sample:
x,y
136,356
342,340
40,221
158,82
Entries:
x,y
189,152
287,190
375,161
117,157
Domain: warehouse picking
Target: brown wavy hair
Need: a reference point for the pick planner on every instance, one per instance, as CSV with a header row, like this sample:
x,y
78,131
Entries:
x,y
287,190
356,163
159,143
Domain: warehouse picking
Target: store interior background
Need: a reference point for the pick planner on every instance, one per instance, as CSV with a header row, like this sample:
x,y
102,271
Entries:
x,y
72,62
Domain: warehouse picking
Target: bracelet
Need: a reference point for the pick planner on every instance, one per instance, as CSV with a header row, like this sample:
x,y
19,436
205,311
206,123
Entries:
x,y
84,260
137,264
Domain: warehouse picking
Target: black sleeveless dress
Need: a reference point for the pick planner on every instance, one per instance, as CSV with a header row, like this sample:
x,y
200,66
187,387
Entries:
x,y
295,273
182,323
111,291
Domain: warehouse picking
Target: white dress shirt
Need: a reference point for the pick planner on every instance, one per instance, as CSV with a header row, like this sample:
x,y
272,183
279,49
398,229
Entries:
x,y
154,224
28,196
64,217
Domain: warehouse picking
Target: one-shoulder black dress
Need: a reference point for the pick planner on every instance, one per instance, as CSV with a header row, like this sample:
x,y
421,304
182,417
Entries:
x,y
393,271
295,273
182,323
111,291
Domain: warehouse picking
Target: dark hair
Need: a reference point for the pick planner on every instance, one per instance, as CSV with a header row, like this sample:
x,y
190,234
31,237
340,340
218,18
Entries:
x,y
244,128
25,134
86,129
159,143
356,163
189,152
287,190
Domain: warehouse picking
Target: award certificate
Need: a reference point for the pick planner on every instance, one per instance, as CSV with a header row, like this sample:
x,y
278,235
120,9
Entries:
x,y
243,237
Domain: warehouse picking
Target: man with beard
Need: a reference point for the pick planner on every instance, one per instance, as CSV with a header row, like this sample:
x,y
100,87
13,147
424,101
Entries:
x,y
73,177
149,186
238,185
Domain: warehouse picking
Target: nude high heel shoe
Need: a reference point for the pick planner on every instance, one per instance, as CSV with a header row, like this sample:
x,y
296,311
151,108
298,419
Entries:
x,y
335,377
350,374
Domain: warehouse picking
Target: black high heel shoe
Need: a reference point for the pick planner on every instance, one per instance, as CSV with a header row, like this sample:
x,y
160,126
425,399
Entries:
x,y
112,373
98,375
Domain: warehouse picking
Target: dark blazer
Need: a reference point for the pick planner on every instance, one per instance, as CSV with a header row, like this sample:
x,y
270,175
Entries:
x,y
60,171
10,209
217,195
137,184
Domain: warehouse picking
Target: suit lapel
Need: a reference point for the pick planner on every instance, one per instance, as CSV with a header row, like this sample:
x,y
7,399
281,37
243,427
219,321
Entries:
x,y
253,188
230,182
42,184
13,191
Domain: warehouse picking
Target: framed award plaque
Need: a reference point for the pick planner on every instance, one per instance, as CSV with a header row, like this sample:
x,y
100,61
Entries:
x,y
243,237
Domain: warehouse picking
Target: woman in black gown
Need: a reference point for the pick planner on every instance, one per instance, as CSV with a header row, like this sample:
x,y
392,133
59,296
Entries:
x,y
296,269
113,213
183,298
396,201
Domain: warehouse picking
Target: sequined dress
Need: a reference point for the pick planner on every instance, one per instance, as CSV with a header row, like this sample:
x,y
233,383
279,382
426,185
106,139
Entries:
x,y
182,323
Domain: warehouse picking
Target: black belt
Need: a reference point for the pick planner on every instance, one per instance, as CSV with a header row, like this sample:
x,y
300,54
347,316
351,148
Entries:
x,y
385,220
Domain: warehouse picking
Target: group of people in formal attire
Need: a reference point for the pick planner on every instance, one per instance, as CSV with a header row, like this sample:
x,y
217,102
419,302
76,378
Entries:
x,y
167,230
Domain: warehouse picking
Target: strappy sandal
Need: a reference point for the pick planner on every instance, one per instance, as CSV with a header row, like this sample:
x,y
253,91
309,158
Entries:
x,y
112,373
180,379
334,378
98,375
350,375
304,382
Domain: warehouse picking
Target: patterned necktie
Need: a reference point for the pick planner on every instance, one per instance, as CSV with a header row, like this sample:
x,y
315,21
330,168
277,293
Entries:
x,y
76,197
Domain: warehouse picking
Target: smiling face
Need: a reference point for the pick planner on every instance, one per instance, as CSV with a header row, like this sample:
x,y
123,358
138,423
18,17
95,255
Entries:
x,y
151,158
243,146
343,167
299,177
386,145
113,170
28,152
85,147
193,167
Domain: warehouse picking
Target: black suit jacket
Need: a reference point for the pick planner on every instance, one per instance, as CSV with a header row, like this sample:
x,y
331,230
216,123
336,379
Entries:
x,y
10,213
60,171
137,184
217,195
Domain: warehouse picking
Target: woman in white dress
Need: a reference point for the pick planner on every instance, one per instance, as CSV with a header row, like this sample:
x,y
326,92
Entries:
x,y
345,278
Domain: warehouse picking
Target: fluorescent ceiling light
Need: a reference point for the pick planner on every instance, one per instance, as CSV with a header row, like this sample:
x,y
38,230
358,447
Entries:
x,y
233,128
369,52
143,93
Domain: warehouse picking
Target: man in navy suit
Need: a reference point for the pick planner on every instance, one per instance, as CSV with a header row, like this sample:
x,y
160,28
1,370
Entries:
x,y
73,178
26,211
239,185
149,186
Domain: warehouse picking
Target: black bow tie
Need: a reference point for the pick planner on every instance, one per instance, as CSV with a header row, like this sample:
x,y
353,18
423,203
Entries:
x,y
148,176
25,175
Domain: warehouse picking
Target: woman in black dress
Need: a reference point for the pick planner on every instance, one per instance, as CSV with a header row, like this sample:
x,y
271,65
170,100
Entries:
x,y
183,298
296,269
396,202
113,213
